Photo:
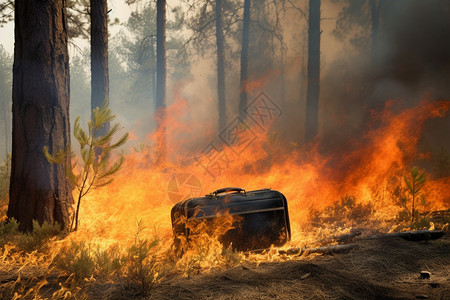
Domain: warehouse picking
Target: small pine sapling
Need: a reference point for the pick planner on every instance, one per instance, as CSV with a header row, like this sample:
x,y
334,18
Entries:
x,y
142,267
97,168
415,185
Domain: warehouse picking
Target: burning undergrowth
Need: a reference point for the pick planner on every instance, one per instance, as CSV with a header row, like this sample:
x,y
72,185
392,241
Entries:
x,y
327,196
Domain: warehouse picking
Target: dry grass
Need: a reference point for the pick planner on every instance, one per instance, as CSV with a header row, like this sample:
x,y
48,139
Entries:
x,y
379,269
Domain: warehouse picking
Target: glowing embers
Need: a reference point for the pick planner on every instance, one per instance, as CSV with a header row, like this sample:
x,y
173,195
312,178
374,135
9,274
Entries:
x,y
242,220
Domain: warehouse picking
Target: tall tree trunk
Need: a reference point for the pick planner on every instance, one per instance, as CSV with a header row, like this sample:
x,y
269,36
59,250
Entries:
x,y
312,94
244,60
283,89
39,190
153,68
99,56
375,14
161,79
220,68
283,78
6,111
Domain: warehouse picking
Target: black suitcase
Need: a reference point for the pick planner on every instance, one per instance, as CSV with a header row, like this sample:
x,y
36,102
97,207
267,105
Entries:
x,y
259,219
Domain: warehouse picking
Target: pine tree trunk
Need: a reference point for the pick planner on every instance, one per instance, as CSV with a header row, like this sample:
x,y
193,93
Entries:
x,y
153,68
6,110
244,60
312,94
161,79
220,67
375,14
283,79
99,56
39,190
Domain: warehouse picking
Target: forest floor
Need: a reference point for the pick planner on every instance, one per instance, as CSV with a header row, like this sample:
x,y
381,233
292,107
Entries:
x,y
386,268
378,268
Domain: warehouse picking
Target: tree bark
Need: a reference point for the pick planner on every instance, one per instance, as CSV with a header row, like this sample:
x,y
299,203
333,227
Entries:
x,y
161,79
375,15
153,69
39,190
244,60
220,68
312,94
99,57
6,111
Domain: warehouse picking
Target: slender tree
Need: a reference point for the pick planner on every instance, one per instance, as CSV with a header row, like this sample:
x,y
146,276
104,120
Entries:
x,y
139,53
161,78
39,190
375,16
244,60
5,95
220,67
313,88
99,57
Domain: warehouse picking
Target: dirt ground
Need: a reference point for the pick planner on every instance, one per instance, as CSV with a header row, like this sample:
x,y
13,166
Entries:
x,y
381,268
378,268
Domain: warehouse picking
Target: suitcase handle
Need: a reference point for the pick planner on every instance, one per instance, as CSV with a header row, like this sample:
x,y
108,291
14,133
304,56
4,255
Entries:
x,y
228,189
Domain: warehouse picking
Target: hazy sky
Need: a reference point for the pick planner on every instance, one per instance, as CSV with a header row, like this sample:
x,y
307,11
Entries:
x,y
118,10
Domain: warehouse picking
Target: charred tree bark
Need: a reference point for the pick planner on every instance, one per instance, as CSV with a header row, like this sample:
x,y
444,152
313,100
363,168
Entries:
x,y
161,79
313,89
99,57
39,190
375,15
220,68
244,60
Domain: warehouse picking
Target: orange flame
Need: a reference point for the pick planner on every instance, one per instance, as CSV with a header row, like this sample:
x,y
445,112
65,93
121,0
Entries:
x,y
308,180
368,173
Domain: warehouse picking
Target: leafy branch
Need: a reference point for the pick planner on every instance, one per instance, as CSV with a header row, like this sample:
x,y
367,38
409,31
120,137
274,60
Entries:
x,y
415,185
96,168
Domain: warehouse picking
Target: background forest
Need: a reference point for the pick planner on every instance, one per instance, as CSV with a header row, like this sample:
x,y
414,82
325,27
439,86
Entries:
x,y
342,105
362,66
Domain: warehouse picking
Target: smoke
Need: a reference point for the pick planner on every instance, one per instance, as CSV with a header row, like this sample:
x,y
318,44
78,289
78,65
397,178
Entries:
x,y
417,53
410,63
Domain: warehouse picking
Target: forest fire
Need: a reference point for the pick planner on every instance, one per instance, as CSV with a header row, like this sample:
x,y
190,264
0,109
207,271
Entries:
x,y
262,149
372,175
327,196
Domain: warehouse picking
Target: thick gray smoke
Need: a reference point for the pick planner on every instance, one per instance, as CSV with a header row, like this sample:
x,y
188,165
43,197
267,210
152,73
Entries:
x,y
416,38
411,63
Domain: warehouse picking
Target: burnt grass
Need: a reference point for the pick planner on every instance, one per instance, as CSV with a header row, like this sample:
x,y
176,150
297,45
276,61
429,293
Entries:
x,y
380,268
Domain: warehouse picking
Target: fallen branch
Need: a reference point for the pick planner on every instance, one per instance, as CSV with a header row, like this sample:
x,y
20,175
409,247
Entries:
x,y
332,249
416,235
342,238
